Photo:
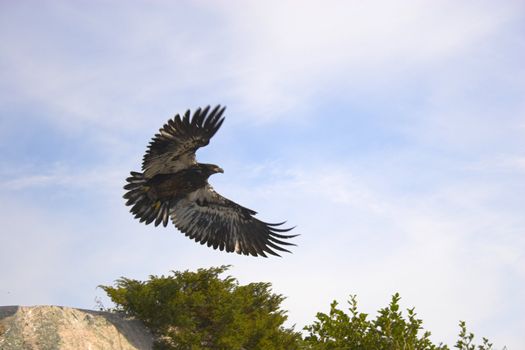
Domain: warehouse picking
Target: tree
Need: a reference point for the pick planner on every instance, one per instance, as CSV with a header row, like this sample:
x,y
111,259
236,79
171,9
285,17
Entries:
x,y
199,310
389,331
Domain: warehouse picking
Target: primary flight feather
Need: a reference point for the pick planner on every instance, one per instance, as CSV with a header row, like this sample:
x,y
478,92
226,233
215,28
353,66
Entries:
x,y
173,185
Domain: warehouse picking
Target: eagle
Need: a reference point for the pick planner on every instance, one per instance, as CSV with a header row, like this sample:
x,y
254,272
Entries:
x,y
173,185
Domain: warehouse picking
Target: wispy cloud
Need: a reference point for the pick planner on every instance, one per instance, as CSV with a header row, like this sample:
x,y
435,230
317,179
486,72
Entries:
x,y
59,175
258,56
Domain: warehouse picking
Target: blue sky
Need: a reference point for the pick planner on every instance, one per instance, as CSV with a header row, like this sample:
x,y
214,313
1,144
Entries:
x,y
392,133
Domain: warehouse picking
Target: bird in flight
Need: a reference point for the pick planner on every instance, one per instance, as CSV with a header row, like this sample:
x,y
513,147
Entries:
x,y
173,185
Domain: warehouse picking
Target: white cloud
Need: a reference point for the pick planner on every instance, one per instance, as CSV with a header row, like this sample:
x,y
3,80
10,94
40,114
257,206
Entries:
x,y
266,58
33,253
291,50
63,176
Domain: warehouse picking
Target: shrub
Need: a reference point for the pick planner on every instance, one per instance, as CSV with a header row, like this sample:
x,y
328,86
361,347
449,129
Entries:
x,y
389,331
200,310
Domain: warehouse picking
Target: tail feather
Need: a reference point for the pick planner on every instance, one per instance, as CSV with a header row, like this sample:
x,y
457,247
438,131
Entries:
x,y
143,206
163,214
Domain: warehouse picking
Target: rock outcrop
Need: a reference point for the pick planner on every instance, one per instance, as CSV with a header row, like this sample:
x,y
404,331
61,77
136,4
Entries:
x,y
63,328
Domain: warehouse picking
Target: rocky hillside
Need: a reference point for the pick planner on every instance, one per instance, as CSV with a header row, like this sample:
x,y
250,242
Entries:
x,y
55,327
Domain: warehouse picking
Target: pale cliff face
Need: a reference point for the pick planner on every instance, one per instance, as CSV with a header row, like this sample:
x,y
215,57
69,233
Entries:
x,y
55,327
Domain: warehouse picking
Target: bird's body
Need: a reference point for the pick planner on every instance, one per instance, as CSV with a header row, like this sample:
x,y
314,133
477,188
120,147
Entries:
x,y
173,185
177,185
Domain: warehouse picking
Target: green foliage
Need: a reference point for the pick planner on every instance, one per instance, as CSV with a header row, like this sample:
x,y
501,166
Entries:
x,y
389,331
465,340
200,310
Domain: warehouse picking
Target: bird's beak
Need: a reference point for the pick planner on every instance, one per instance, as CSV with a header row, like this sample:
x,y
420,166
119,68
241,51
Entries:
x,y
219,170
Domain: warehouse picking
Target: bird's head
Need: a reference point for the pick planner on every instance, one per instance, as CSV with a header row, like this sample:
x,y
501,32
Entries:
x,y
212,169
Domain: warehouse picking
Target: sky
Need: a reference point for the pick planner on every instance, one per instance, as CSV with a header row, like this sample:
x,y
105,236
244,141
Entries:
x,y
390,133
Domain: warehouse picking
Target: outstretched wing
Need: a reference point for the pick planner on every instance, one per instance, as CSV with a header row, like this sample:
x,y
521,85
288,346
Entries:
x,y
173,148
209,218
